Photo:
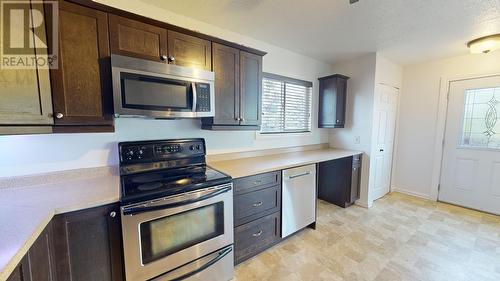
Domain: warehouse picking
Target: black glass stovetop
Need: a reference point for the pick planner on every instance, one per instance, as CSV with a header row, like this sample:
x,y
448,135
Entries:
x,y
156,184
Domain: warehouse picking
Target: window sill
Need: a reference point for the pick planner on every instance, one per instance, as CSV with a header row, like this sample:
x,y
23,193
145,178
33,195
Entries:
x,y
259,135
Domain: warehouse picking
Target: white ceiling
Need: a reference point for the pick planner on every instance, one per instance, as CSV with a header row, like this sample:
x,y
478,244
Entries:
x,y
406,31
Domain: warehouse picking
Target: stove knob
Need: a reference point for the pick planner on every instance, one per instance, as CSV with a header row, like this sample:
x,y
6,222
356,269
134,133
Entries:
x,y
191,147
198,147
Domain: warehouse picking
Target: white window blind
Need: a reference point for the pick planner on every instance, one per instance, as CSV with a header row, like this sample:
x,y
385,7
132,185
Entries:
x,y
286,105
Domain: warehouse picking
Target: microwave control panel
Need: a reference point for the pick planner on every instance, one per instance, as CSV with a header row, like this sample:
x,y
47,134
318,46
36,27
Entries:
x,y
202,97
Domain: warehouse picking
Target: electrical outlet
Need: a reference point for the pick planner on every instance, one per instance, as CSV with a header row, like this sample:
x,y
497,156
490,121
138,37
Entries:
x,y
357,140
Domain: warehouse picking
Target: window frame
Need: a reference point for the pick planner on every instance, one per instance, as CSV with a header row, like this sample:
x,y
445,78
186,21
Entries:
x,y
294,81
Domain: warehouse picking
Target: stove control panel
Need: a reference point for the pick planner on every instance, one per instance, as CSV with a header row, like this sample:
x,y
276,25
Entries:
x,y
151,151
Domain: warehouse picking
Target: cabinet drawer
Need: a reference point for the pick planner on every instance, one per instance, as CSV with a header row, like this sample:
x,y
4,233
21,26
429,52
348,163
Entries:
x,y
252,183
251,205
256,236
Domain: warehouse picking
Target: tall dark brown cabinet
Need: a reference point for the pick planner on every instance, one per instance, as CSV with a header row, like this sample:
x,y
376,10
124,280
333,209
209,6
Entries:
x,y
81,89
332,101
238,90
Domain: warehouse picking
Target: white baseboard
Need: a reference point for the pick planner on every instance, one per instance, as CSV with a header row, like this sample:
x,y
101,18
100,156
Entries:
x,y
363,204
412,193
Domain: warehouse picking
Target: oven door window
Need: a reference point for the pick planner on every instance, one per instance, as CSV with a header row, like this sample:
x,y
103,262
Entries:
x,y
155,93
167,235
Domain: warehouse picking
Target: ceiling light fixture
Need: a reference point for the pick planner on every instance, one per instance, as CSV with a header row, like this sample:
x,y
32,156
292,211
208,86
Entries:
x,y
484,44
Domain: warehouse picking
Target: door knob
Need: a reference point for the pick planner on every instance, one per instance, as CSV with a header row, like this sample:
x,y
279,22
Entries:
x,y
171,59
164,57
59,115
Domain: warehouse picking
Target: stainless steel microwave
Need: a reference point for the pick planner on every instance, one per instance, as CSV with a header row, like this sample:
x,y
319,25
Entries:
x,y
143,88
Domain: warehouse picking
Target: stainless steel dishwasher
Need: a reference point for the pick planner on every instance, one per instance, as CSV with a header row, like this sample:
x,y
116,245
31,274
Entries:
x,y
298,199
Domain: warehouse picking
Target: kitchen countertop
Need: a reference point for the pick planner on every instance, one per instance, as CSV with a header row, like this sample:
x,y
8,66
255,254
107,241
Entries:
x,y
247,166
26,211
27,204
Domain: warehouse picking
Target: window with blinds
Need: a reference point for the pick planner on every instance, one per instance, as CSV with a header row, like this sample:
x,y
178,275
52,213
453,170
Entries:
x,y
286,105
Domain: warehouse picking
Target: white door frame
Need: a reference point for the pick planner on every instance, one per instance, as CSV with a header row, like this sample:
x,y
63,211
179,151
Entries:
x,y
444,90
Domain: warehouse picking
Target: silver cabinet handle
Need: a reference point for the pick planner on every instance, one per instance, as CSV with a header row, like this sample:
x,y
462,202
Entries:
x,y
242,119
258,204
171,59
112,214
257,234
164,57
299,175
59,115
257,182
237,118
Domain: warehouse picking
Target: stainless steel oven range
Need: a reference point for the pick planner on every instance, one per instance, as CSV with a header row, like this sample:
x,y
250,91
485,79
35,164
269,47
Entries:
x,y
177,212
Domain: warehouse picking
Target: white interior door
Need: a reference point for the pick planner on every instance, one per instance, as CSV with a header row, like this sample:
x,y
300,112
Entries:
x,y
384,125
470,174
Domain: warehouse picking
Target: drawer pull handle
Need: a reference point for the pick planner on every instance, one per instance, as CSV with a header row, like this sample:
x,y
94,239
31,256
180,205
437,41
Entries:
x,y
257,204
257,182
299,175
257,234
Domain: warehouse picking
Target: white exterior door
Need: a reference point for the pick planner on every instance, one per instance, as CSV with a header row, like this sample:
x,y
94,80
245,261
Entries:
x,y
470,174
384,125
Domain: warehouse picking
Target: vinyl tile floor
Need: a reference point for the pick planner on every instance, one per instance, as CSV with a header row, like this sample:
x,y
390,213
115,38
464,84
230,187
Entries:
x,y
399,238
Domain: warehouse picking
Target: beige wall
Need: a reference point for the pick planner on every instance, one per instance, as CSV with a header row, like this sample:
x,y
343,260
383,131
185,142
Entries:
x,y
414,161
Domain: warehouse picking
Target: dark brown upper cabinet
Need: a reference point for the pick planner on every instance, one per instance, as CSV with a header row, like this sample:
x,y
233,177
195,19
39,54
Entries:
x,y
25,97
250,89
238,87
145,41
88,245
185,50
81,88
137,39
226,62
332,101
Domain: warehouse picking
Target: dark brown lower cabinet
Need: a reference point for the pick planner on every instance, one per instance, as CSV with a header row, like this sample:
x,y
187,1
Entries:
x,y
88,245
38,264
338,180
83,245
257,214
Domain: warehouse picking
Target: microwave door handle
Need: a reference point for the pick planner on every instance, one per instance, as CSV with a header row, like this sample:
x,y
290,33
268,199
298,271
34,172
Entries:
x,y
195,96
134,210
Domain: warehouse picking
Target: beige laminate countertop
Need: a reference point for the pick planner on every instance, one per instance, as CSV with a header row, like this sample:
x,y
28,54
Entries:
x,y
242,167
26,211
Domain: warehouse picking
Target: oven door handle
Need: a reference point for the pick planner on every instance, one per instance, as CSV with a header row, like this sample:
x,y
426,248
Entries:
x,y
145,208
219,255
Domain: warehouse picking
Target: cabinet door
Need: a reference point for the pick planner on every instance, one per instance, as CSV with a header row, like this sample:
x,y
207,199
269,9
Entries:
x,y
189,51
251,89
136,39
340,109
334,181
226,62
25,93
332,101
88,244
38,263
81,83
